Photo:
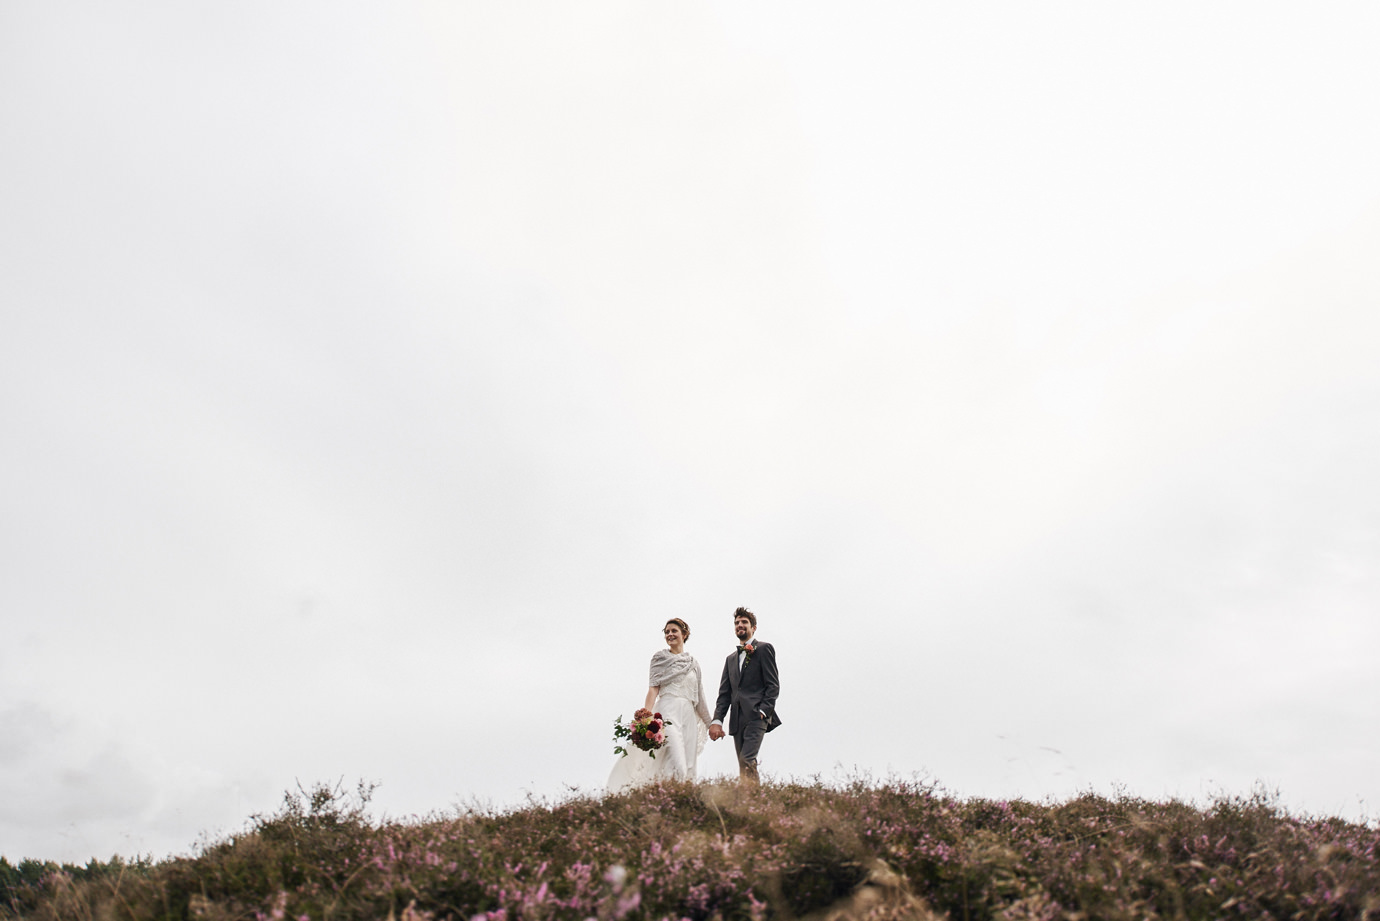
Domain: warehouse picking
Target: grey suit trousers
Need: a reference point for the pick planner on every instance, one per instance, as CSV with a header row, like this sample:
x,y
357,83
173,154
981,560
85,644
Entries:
x,y
748,742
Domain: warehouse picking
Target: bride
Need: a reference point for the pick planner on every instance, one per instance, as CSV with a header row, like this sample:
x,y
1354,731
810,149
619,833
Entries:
x,y
676,692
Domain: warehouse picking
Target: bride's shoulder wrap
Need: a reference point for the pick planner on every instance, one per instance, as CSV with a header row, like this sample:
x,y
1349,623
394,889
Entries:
x,y
667,666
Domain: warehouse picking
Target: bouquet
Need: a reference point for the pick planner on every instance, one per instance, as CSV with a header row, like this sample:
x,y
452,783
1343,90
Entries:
x,y
644,732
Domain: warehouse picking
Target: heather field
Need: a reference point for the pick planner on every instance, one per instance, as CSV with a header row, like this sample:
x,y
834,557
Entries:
x,y
856,850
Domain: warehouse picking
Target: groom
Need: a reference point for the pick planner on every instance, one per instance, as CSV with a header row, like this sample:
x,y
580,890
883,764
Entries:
x,y
747,694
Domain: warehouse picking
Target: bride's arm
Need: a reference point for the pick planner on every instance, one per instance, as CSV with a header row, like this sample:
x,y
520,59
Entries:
x,y
651,696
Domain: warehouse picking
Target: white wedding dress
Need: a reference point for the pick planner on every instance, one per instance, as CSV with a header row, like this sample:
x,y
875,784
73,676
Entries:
x,y
681,702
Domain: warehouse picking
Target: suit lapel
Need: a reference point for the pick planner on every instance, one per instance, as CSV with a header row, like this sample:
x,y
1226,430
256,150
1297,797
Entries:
x,y
733,674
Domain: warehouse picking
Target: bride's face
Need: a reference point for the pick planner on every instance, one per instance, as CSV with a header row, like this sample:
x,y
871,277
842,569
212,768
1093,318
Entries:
x,y
673,635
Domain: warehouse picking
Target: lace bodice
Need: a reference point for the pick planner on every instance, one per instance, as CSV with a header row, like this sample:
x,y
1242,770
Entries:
x,y
686,685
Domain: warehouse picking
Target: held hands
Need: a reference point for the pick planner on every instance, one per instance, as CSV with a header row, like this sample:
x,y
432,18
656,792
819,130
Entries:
x,y
716,730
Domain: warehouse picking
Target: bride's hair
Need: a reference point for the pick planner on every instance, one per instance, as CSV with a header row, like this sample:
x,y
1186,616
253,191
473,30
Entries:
x,y
684,627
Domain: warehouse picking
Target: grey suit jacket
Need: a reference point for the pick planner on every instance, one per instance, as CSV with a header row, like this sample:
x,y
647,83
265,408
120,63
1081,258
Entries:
x,y
743,696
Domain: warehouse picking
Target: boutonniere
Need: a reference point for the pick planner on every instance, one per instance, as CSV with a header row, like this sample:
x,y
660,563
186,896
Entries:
x,y
747,649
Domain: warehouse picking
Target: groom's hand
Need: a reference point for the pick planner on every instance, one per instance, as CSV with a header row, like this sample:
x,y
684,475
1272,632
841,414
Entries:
x,y
716,732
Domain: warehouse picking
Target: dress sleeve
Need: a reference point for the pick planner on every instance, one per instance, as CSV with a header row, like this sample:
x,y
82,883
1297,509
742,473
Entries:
x,y
701,707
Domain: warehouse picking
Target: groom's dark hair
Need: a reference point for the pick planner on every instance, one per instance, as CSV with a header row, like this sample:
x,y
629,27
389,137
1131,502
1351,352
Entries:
x,y
744,612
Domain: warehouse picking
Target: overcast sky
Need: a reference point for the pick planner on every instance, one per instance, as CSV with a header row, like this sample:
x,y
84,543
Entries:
x,y
376,379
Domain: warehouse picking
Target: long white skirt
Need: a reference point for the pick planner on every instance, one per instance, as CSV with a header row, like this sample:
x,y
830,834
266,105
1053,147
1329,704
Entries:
x,y
676,758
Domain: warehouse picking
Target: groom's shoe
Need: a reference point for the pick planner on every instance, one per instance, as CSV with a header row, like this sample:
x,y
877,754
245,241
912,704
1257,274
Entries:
x,y
747,773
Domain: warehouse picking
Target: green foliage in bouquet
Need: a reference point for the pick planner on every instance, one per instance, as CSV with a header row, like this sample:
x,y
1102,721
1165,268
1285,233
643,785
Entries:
x,y
620,732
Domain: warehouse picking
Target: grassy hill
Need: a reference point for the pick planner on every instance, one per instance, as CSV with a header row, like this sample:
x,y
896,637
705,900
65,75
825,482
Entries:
x,y
710,851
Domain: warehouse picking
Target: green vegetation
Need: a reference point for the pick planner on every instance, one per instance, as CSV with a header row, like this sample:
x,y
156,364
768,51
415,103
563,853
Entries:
x,y
711,851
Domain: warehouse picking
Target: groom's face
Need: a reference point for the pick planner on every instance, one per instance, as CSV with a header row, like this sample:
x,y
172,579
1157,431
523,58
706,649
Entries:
x,y
743,628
